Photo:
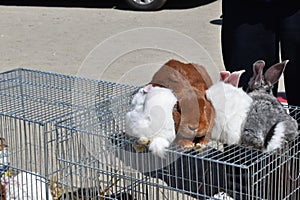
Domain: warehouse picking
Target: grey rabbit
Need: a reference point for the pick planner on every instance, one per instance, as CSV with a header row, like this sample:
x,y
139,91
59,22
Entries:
x,y
268,126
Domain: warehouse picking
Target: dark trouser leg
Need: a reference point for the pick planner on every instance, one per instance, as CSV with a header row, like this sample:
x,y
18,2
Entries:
x,y
290,49
248,34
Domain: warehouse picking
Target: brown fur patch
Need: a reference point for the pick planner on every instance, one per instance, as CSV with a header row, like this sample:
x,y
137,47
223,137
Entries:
x,y
193,114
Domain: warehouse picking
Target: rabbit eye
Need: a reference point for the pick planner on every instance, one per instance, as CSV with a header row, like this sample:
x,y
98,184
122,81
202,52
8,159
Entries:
x,y
255,86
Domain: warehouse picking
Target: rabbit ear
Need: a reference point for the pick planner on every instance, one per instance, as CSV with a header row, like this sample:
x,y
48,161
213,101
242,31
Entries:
x,y
147,88
258,67
273,74
234,78
224,75
258,78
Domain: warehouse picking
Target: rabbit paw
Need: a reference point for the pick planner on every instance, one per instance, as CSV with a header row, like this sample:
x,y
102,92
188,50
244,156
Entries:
x,y
143,141
186,144
199,146
251,139
139,148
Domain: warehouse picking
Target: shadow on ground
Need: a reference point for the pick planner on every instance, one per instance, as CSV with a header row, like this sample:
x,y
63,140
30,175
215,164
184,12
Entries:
x,y
216,22
118,4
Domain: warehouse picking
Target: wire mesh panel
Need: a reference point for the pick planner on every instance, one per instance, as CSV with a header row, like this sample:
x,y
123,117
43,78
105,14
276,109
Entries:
x,y
95,142
63,137
31,102
95,155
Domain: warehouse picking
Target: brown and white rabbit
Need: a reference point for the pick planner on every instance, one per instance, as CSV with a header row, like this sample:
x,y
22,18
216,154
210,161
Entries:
x,y
193,114
268,126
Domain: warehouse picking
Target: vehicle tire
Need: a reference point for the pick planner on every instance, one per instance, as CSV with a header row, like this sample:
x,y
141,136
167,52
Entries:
x,y
146,4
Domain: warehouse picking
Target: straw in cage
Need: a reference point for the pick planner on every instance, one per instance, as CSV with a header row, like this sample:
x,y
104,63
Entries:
x,y
60,193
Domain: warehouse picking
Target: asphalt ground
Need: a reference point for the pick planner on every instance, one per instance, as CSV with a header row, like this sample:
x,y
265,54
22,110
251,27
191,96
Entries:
x,y
108,41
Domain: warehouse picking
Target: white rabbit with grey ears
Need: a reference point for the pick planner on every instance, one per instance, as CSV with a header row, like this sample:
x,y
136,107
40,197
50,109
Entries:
x,y
268,126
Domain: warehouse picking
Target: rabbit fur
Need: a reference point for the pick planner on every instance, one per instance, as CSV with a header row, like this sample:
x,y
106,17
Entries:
x,y
268,126
193,114
231,105
150,118
26,186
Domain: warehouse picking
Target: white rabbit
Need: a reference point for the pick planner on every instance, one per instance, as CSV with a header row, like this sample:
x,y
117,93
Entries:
x,y
231,105
26,186
151,120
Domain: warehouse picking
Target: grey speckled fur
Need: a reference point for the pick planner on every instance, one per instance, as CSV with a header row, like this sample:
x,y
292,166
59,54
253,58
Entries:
x,y
266,112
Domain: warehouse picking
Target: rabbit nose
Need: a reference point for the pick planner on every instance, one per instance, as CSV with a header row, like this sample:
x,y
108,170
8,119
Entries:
x,y
192,128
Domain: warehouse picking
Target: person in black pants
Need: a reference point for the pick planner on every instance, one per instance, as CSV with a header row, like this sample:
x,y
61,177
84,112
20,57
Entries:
x,y
263,30
266,30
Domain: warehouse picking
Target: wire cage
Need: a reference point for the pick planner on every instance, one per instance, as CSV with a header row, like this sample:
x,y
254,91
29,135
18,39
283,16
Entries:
x,y
31,103
65,139
95,142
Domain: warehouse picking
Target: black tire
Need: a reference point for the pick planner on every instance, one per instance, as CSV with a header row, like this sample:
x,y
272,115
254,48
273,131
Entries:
x,y
143,5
